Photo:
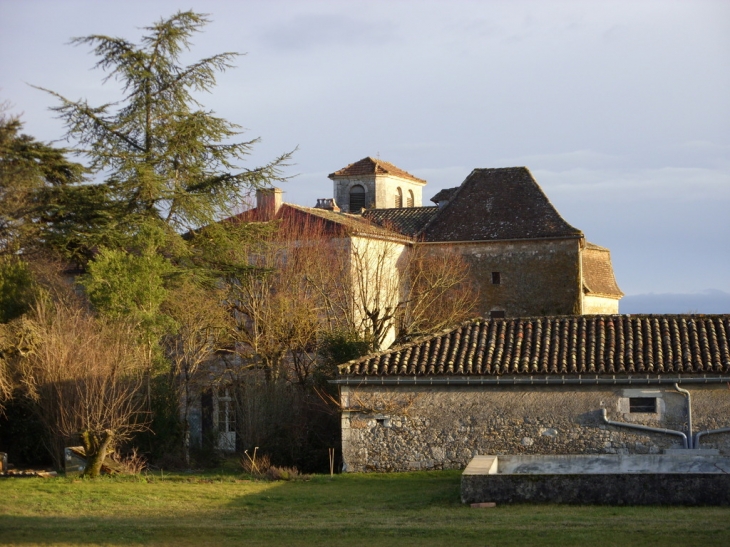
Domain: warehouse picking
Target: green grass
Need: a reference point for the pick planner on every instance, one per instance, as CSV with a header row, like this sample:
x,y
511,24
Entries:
x,y
354,510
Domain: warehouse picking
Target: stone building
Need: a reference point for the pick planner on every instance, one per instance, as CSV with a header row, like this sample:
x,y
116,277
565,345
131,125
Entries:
x,y
526,258
541,385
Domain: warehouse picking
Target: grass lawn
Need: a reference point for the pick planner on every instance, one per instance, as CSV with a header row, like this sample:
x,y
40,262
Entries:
x,y
376,509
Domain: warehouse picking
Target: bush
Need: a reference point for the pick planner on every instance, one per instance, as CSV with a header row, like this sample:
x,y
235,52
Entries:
x,y
285,474
256,465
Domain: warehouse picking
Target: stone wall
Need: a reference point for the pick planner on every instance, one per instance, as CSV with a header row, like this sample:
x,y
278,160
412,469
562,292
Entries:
x,y
380,190
536,277
399,428
597,305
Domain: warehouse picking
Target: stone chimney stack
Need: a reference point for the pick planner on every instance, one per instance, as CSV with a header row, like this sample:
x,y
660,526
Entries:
x,y
328,204
268,203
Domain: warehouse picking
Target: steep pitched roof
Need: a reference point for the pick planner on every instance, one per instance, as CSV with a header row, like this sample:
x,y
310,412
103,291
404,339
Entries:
x,y
493,204
597,344
407,220
370,166
598,277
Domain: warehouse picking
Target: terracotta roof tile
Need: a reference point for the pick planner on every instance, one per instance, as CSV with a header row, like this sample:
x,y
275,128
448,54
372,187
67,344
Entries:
x,y
406,220
567,345
349,222
370,166
598,277
494,204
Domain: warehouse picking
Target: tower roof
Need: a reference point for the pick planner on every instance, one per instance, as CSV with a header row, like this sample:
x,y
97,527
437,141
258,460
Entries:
x,y
370,166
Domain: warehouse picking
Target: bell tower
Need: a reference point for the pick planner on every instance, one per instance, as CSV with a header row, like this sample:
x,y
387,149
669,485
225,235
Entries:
x,y
375,184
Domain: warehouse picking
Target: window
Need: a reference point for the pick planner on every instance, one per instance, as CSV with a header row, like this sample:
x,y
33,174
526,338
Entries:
x,y
357,198
409,199
226,412
642,404
496,278
497,314
398,197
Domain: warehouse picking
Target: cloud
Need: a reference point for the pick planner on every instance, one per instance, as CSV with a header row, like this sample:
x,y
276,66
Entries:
x,y
565,160
677,184
312,30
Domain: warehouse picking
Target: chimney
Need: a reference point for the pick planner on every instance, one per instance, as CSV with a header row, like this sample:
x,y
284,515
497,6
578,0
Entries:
x,y
268,203
328,204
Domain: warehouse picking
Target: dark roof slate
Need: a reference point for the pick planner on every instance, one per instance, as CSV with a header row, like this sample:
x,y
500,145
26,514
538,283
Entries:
x,y
598,276
598,344
407,220
493,204
370,166
444,195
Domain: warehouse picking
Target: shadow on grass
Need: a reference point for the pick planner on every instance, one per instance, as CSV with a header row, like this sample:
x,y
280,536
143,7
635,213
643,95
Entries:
x,y
391,509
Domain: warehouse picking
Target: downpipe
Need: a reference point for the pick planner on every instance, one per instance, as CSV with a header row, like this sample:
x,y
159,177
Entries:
x,y
699,434
689,413
645,428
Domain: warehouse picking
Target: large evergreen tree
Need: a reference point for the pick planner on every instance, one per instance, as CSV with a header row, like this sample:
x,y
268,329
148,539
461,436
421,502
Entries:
x,y
30,171
164,159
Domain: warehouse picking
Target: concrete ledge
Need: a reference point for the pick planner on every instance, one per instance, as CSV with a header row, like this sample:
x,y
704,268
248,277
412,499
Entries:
x,y
609,489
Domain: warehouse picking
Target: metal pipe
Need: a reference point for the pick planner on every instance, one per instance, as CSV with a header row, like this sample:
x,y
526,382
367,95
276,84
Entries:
x,y
526,380
689,413
708,432
646,428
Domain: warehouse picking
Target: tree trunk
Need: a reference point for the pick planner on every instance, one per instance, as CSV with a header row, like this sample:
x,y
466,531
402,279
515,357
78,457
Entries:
x,y
96,446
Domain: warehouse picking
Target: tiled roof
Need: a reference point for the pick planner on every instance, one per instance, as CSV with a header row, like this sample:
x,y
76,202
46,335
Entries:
x,y
598,344
598,277
405,220
350,223
444,195
494,204
370,166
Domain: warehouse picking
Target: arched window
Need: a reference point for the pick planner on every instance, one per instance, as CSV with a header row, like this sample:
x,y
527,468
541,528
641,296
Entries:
x,y
398,198
357,198
409,199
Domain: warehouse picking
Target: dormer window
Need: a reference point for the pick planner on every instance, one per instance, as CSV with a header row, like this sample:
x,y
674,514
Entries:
x,y
357,199
398,198
409,199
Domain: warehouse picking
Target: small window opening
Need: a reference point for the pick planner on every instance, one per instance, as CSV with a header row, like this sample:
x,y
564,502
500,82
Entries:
x,y
642,404
398,198
357,198
497,314
496,278
409,199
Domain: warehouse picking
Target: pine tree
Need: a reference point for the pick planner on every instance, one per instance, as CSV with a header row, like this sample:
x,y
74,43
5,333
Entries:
x,y
164,158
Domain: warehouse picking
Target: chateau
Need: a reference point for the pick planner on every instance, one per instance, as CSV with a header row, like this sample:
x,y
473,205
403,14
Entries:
x,y
526,259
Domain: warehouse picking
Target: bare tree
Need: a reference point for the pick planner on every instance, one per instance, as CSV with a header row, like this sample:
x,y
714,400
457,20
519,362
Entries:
x,y
276,310
203,328
7,349
85,374
439,291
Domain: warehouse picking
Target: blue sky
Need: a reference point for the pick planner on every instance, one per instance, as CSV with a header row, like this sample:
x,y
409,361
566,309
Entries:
x,y
621,110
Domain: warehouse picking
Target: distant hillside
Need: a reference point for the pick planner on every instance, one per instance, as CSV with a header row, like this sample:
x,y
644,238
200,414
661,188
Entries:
x,y
708,301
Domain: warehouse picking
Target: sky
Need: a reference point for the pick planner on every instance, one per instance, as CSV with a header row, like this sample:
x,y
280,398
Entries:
x,y
621,110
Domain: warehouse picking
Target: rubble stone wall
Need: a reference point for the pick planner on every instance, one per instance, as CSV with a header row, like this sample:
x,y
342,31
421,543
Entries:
x,y
401,428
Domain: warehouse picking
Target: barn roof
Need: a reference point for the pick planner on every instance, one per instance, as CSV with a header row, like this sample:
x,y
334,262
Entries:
x,y
562,345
